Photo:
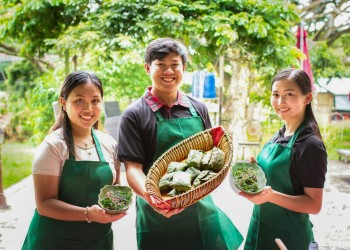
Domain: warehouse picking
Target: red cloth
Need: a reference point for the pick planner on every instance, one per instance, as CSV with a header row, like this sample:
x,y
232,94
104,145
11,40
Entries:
x,y
159,203
217,134
306,63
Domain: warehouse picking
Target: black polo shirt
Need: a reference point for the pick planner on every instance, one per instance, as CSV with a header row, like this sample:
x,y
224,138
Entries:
x,y
309,160
137,139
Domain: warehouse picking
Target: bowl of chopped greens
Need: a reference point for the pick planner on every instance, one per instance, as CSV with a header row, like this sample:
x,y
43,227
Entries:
x,y
247,177
115,198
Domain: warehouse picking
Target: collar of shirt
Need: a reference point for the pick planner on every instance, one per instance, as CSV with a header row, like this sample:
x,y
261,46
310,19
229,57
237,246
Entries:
x,y
155,104
304,133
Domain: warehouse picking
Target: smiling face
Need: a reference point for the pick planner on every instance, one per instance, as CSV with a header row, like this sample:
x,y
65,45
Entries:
x,y
166,74
288,102
83,106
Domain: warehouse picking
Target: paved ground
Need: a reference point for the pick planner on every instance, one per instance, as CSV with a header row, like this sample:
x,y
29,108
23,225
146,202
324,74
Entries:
x,y
331,226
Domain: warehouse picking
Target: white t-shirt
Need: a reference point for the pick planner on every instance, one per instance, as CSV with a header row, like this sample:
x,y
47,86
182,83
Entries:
x,y
52,153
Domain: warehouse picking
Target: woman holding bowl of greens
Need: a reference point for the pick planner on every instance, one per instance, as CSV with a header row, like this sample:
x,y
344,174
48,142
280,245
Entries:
x,y
70,167
295,164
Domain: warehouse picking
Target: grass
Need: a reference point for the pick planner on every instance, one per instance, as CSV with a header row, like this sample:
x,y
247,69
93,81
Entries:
x,y
336,136
16,162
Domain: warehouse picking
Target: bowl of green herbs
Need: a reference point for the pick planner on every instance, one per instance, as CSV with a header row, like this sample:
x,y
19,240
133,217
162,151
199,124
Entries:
x,y
247,177
115,198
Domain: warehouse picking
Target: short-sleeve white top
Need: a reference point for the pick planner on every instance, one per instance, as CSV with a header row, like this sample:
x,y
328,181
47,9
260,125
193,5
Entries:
x,y
52,153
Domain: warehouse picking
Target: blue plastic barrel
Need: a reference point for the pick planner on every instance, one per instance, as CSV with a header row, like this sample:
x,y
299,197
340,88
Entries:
x,y
203,84
209,86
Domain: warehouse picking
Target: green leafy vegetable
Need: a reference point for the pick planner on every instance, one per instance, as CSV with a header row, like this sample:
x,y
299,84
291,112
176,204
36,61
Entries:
x,y
116,200
246,178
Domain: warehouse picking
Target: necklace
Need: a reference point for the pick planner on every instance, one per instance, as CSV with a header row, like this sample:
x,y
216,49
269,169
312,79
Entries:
x,y
87,143
86,149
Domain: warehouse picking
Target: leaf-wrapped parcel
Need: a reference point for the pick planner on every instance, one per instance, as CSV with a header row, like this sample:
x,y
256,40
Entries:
x,y
176,166
164,182
217,159
194,158
181,181
193,172
204,176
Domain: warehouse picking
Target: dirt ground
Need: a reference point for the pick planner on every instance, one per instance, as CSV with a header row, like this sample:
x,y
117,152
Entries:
x,y
331,225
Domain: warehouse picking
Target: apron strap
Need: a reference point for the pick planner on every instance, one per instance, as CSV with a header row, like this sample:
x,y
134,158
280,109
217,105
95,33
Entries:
x,y
159,116
295,136
192,109
98,146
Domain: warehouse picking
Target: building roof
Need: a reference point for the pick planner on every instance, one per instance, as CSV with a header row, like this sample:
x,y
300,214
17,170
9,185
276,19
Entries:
x,y
336,86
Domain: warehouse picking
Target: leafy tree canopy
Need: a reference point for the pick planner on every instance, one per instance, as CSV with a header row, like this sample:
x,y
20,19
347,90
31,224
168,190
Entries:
x,y
260,30
109,36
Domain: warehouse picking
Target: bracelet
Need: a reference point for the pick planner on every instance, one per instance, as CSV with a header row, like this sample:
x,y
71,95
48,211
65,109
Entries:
x,y
86,215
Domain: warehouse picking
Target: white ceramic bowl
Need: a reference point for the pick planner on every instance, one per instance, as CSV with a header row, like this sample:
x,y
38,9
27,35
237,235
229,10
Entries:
x,y
261,179
124,202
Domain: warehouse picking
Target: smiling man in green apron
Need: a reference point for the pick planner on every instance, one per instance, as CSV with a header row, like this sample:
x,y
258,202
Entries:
x,y
160,119
70,167
295,165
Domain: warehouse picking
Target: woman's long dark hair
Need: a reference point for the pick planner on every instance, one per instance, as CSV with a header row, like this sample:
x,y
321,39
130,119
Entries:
x,y
72,81
302,79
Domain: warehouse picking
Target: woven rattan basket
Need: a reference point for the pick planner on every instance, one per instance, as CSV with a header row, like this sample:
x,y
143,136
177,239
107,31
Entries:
x,y
205,141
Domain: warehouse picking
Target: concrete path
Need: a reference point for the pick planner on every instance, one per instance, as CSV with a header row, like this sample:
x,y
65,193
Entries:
x,y
331,225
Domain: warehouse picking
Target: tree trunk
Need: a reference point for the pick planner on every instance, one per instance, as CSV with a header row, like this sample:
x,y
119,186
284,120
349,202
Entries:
x,y
66,61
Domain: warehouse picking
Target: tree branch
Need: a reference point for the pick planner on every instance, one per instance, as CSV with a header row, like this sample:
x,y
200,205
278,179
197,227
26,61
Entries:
x,y
334,37
40,63
9,50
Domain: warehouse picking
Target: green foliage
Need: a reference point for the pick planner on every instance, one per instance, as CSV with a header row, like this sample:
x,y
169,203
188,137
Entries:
x,y
208,27
32,22
4,97
327,62
22,88
186,88
109,37
20,78
41,98
336,136
122,75
33,115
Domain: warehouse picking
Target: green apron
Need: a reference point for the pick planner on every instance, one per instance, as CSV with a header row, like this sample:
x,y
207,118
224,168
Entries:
x,y
201,225
79,185
270,221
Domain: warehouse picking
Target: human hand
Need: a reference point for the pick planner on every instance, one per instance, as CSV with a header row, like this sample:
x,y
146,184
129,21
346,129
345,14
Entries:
x,y
260,198
161,206
168,212
98,214
252,160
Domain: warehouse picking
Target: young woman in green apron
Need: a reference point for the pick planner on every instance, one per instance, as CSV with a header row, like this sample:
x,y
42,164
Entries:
x,y
70,167
295,165
160,119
